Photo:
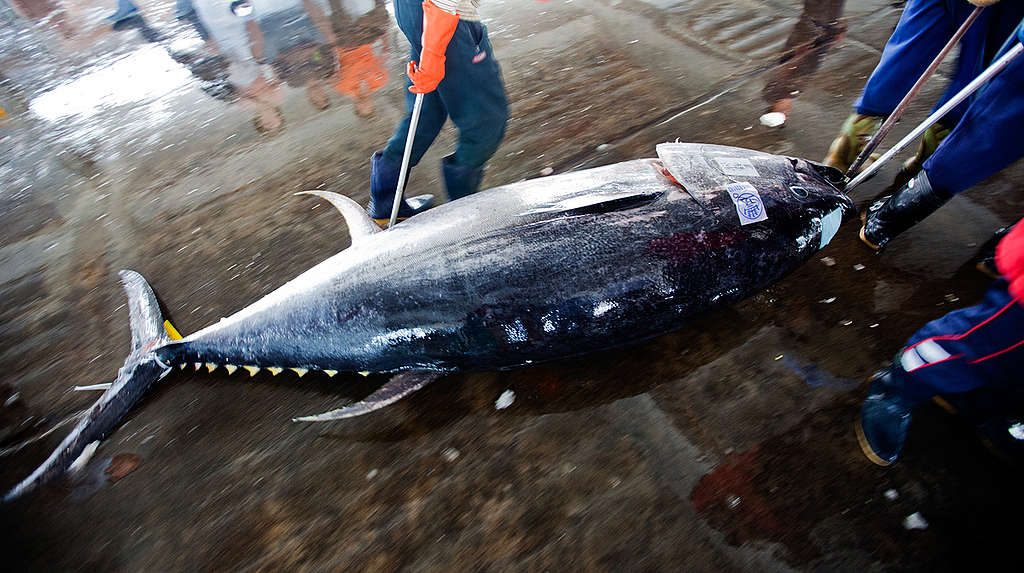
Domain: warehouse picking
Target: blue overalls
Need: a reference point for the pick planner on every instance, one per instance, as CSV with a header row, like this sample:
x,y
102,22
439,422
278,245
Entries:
x,y
987,136
975,347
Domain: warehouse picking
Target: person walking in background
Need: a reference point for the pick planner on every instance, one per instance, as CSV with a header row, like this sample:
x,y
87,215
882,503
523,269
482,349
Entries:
x,y
125,9
360,31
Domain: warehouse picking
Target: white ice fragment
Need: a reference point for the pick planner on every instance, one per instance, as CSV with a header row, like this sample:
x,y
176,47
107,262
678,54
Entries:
x,y
733,501
859,267
828,300
450,454
773,119
828,261
891,494
603,307
12,400
84,458
372,473
1017,431
875,325
846,322
915,521
603,147
952,297
505,400
547,171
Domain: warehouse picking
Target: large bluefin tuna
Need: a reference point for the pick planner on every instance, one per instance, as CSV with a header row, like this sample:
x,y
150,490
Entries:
x,y
528,272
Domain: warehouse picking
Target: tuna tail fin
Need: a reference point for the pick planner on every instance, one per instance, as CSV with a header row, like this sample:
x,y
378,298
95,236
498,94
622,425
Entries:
x,y
140,370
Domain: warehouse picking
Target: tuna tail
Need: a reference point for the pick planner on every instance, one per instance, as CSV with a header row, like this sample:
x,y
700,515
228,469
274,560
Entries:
x,y
140,370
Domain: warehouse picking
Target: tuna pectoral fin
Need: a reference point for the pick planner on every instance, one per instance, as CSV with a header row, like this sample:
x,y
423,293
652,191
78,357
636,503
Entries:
x,y
360,225
140,370
403,384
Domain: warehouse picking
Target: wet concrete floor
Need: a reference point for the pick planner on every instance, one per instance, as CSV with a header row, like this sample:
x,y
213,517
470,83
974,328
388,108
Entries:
x,y
160,146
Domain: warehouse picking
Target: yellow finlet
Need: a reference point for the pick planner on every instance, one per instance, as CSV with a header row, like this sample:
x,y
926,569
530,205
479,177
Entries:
x,y
300,371
183,365
252,369
275,370
171,331
364,373
230,368
210,366
330,373
198,365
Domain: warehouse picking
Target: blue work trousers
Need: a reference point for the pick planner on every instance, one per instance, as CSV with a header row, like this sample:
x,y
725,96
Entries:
x,y
988,138
472,94
923,29
981,346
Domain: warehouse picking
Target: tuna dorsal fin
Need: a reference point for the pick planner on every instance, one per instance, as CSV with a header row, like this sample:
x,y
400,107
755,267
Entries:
x,y
400,386
360,225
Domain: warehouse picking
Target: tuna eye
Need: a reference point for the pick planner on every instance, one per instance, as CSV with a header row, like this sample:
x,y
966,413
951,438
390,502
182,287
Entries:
x,y
799,192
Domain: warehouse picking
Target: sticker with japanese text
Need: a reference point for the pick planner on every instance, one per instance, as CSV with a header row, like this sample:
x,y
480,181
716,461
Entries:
x,y
748,202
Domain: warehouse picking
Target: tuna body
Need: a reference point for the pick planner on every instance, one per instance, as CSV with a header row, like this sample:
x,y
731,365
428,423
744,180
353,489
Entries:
x,y
543,269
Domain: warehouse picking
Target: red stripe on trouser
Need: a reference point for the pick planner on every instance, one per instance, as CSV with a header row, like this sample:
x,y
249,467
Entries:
x,y
994,354
975,327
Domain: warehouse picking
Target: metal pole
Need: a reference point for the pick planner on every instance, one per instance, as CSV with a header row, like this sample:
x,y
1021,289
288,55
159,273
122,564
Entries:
x,y
404,172
898,112
965,93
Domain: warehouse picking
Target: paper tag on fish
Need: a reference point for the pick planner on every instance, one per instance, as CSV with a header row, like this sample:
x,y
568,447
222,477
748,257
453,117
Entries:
x,y
748,202
736,166
830,225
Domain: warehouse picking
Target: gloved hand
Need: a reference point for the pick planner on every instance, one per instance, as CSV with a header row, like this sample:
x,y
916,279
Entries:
x,y
1010,260
438,29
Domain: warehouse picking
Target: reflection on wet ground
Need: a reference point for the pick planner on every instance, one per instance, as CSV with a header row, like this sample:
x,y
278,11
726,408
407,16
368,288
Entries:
x,y
172,146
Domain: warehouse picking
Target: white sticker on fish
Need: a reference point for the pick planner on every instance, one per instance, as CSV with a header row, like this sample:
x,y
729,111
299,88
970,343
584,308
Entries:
x,y
736,166
830,225
748,202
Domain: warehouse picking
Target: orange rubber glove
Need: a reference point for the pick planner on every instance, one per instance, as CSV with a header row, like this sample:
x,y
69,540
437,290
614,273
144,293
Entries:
x,y
438,29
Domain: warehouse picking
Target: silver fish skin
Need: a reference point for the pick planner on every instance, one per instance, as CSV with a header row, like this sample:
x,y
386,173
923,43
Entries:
x,y
532,271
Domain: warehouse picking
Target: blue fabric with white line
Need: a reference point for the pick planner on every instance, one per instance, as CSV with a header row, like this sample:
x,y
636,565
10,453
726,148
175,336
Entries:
x,y
975,347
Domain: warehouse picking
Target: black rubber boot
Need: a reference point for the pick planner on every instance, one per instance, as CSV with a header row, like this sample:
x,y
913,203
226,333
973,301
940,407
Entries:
x,y
383,182
892,215
884,417
458,180
987,253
